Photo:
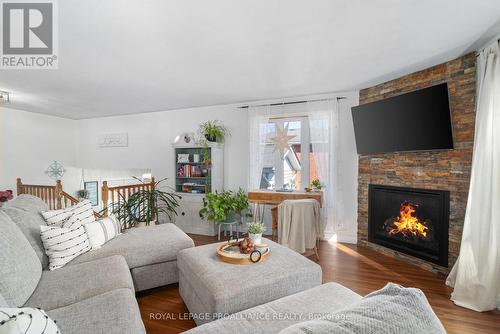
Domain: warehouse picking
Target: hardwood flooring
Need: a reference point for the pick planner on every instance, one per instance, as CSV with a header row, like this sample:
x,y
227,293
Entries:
x,y
358,268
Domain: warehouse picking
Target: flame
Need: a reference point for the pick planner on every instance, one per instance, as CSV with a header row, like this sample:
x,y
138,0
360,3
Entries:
x,y
407,223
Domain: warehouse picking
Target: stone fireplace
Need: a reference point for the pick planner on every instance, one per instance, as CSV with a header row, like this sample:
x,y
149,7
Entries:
x,y
446,170
411,221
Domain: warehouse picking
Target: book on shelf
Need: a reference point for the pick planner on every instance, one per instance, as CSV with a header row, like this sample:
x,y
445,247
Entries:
x,y
189,171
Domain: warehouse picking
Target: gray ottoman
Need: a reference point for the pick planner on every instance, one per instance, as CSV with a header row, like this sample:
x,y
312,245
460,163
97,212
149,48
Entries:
x,y
213,289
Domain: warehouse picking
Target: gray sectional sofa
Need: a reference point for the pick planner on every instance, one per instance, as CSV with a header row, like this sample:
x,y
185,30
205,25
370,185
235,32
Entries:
x,y
94,293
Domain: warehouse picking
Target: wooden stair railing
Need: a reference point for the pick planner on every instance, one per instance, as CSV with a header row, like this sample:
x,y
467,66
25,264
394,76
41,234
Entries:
x,y
52,195
55,197
115,196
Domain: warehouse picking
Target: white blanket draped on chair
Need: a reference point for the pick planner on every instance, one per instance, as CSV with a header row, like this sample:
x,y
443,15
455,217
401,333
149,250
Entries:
x,y
299,224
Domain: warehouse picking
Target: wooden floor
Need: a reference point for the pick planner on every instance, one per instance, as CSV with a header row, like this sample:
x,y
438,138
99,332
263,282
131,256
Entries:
x,y
358,268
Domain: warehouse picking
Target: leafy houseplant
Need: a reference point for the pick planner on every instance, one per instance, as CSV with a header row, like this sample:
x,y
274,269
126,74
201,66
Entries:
x,y
145,205
82,193
315,184
241,203
218,207
255,230
213,131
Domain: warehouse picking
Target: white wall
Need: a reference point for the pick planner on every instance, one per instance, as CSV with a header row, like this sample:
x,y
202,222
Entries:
x,y
151,136
29,142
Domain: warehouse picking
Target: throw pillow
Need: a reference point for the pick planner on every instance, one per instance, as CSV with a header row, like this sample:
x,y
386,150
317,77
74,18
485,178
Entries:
x,y
102,230
70,216
392,309
26,320
63,244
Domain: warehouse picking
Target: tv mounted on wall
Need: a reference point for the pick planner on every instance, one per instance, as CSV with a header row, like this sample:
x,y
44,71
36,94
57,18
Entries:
x,y
416,121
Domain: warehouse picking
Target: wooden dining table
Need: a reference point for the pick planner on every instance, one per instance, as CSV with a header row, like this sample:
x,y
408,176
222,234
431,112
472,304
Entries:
x,y
261,198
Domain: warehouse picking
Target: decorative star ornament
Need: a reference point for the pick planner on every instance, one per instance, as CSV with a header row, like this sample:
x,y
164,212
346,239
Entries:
x,y
55,170
281,140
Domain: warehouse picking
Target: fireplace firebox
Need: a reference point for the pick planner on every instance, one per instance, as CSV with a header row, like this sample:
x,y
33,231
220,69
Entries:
x,y
411,221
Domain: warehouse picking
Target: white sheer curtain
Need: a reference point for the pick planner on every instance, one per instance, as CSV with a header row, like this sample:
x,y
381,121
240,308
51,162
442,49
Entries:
x,y
476,274
324,131
258,119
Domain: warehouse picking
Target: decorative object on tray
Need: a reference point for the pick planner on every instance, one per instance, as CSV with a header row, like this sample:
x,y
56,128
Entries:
x,y
243,251
255,230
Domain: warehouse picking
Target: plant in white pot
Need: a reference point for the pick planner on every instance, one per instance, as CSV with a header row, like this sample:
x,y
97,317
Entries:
x,y
255,230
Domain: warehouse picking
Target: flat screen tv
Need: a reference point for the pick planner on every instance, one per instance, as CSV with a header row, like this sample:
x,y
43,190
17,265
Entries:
x,y
416,121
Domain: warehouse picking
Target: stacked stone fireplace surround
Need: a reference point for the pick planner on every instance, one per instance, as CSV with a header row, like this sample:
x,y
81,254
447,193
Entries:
x,y
439,170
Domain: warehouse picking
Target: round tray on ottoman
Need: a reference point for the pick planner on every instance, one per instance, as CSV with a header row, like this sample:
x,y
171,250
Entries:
x,y
230,253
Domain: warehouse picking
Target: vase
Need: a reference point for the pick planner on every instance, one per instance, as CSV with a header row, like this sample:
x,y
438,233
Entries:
x,y
211,139
256,238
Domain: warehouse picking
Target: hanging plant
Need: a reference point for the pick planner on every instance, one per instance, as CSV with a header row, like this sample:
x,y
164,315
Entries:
x,y
213,131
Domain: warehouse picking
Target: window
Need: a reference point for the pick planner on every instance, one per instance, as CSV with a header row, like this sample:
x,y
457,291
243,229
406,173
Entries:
x,y
294,169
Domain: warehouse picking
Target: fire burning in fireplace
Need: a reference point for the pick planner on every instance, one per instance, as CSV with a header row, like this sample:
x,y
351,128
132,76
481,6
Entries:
x,y
407,224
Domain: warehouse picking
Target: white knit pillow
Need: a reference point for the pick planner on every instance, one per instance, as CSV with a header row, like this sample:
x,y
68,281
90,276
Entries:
x,y
101,231
63,244
26,320
67,217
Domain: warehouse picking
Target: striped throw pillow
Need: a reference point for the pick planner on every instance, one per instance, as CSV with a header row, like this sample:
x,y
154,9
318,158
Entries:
x,y
26,320
63,244
69,217
102,230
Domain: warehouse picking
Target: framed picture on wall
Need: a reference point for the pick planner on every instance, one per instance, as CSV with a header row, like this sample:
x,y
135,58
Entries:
x,y
92,188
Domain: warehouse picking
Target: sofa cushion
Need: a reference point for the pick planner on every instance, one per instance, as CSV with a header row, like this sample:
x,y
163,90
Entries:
x,y
63,244
102,230
27,203
26,320
72,284
3,303
392,309
114,312
281,313
142,246
21,269
29,222
71,217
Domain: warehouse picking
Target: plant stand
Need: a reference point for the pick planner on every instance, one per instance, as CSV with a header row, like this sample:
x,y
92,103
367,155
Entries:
x,y
230,224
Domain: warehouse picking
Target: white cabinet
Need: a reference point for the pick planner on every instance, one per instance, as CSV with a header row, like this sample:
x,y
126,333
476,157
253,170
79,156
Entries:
x,y
188,218
192,180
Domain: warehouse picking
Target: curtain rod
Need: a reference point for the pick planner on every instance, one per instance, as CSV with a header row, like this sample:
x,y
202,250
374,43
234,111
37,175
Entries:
x,y
292,102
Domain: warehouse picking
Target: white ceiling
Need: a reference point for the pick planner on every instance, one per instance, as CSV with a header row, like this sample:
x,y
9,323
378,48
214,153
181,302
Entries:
x,y
121,57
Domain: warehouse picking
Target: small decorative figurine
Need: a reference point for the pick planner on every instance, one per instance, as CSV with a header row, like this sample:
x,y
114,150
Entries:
x,y
246,246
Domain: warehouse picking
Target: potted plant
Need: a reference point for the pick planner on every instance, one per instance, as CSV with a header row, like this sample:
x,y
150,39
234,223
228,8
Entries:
x,y
213,131
218,207
316,184
82,194
242,206
255,230
144,206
